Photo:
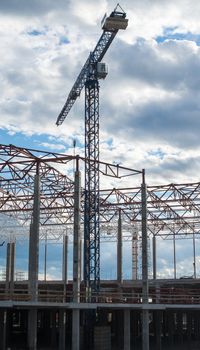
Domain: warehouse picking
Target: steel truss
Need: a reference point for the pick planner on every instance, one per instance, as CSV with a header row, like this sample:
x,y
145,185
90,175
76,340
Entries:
x,y
17,171
172,210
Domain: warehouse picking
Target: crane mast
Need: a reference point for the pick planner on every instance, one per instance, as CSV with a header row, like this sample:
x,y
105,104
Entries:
x,y
92,71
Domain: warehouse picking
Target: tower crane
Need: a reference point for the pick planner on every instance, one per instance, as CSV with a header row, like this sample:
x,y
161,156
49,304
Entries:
x,y
89,76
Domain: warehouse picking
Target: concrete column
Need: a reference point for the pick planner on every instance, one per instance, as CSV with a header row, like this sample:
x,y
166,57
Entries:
x,y
65,260
135,328
10,267
32,329
189,324
119,249
81,259
145,288
171,328
3,316
127,333
154,257
75,329
45,257
158,328
12,270
62,329
174,246
33,263
65,265
179,317
118,328
194,256
77,235
53,329
34,242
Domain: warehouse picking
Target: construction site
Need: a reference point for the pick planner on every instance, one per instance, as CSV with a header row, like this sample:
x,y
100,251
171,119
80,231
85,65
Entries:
x,y
49,198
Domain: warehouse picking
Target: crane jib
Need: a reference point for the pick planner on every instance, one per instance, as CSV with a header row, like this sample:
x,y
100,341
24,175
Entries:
x,y
110,28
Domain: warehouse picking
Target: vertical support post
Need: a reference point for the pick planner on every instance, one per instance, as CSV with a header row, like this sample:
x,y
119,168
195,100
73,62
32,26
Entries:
x,y
45,257
65,260
10,268
34,240
76,259
158,328
77,234
62,329
65,265
8,263
145,287
33,262
3,321
171,329
75,329
119,249
194,255
81,259
154,257
4,329
127,333
174,246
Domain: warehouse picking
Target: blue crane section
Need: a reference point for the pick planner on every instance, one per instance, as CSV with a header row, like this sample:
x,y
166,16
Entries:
x,y
92,71
110,25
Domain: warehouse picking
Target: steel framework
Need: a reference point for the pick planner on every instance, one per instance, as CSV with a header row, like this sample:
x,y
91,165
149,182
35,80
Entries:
x,y
172,210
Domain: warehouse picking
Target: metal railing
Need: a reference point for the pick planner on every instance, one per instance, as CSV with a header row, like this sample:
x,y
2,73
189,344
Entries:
x,y
163,296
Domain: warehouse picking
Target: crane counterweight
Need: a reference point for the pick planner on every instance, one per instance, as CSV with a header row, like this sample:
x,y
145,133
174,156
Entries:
x,y
115,21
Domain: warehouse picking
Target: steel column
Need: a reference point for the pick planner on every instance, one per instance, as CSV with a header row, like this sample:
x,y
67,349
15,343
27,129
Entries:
x,y
194,256
33,263
76,245
174,249
45,257
154,257
75,329
10,267
145,288
65,260
127,330
119,249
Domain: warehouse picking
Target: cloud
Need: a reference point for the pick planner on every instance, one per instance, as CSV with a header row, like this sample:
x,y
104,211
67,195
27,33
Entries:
x,y
23,8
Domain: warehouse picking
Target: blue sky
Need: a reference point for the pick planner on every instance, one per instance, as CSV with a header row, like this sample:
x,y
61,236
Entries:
x,y
149,100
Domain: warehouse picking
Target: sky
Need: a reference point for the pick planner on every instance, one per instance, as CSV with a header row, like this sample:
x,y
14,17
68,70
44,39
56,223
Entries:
x,y
149,102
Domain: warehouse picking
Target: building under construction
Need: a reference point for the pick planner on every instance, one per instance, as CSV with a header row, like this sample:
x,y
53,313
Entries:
x,y
40,203
42,200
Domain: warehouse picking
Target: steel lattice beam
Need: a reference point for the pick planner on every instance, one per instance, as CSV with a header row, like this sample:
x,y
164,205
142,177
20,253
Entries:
x,y
91,200
172,210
